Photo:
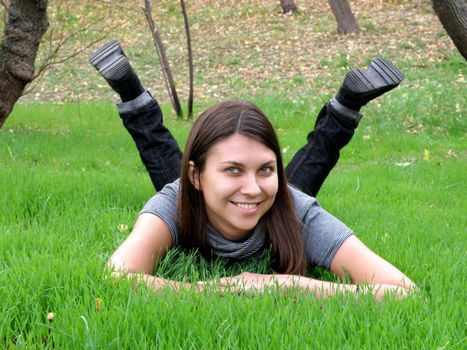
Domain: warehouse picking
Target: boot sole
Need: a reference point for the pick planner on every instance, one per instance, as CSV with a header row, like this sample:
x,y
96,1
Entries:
x,y
98,57
382,75
116,69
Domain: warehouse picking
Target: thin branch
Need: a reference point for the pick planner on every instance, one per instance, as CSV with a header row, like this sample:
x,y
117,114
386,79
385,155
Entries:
x,y
51,58
163,57
190,58
164,73
5,5
6,14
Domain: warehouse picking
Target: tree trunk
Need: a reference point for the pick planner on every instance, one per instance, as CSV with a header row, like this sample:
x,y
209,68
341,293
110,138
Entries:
x,y
27,23
453,17
346,22
288,6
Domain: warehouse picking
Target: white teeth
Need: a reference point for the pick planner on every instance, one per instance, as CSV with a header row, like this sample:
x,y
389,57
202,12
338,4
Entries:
x,y
246,205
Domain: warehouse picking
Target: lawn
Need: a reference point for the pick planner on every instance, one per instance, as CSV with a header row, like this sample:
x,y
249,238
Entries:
x,y
72,184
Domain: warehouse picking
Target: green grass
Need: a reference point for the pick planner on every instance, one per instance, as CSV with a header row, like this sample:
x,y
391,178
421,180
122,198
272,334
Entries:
x,y
70,177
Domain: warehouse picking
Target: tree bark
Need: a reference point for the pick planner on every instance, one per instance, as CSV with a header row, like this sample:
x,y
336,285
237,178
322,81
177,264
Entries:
x,y
346,22
453,16
288,6
27,23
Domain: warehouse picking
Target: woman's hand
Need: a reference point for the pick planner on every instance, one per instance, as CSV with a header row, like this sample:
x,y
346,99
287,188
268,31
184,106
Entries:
x,y
250,282
381,290
259,283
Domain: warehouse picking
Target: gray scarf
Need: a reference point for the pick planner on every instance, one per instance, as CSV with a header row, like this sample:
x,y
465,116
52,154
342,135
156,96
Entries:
x,y
251,248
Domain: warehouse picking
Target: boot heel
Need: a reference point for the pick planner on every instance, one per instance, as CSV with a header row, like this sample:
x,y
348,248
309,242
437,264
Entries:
x,y
386,70
356,81
112,63
106,55
116,69
360,86
380,76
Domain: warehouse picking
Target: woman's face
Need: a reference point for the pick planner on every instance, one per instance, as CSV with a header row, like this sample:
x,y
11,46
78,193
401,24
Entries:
x,y
239,184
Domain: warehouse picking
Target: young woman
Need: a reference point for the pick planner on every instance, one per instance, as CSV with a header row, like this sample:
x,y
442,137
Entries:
x,y
233,198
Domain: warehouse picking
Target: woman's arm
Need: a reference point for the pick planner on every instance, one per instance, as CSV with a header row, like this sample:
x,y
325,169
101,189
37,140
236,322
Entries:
x,y
352,258
157,283
363,266
150,240
138,255
144,247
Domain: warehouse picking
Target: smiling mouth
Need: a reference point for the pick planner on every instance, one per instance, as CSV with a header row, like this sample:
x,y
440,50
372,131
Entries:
x,y
245,205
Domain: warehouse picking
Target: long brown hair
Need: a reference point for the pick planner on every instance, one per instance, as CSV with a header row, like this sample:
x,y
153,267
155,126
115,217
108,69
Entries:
x,y
280,221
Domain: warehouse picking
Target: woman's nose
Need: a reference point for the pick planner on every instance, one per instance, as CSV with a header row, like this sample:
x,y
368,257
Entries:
x,y
250,185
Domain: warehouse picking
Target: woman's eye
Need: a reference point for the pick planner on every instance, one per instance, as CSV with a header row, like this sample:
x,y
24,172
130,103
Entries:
x,y
266,170
232,170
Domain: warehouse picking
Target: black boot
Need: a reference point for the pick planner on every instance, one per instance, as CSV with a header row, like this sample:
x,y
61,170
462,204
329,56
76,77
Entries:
x,y
361,86
112,63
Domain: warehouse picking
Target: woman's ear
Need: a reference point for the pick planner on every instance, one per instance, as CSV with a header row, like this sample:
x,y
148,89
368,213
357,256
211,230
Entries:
x,y
193,174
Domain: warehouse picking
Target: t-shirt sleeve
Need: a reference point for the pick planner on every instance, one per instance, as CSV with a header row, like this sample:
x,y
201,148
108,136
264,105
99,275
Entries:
x,y
164,205
323,234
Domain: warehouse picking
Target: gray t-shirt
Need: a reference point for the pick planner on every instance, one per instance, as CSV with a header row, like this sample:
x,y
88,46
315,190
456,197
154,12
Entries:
x,y
322,233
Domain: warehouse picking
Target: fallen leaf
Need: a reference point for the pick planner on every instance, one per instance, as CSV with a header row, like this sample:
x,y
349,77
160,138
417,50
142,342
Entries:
x,y
122,228
426,155
403,164
98,304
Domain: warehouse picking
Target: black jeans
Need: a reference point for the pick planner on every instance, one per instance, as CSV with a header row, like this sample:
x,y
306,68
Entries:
x,y
161,154
313,162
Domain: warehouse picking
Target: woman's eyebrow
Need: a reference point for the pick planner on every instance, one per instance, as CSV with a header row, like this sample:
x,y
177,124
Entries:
x,y
233,162
271,162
